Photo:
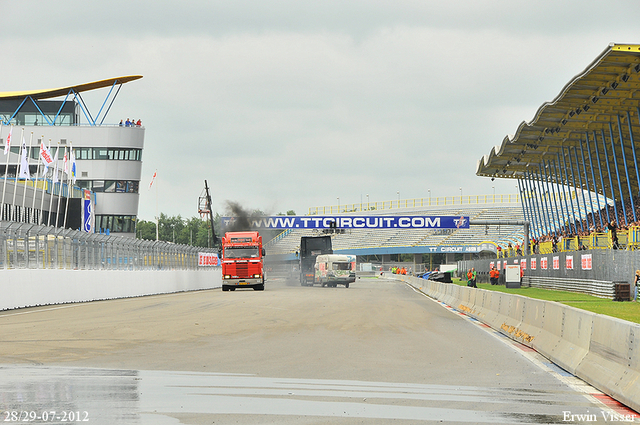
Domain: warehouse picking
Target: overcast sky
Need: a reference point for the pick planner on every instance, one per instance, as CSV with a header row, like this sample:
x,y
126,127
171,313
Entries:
x,y
286,105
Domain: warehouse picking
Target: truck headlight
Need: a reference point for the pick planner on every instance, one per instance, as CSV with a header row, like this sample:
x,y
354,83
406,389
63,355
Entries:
x,y
226,276
257,276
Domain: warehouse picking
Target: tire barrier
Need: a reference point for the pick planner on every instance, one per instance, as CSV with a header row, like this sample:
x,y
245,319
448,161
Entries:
x,y
601,350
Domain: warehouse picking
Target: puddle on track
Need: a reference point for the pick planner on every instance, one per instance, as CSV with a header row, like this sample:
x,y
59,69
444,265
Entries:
x,y
109,396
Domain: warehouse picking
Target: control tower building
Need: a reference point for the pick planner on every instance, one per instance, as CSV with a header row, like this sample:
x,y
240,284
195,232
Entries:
x,y
108,155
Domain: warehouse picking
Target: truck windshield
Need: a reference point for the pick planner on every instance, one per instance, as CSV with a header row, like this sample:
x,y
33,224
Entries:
x,y
341,266
241,252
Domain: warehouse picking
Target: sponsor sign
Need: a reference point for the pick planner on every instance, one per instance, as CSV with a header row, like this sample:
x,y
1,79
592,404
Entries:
x,y
569,262
356,222
88,217
208,259
587,261
533,264
556,263
543,263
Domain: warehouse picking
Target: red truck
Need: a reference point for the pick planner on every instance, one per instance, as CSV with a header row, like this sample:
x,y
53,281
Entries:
x,y
242,261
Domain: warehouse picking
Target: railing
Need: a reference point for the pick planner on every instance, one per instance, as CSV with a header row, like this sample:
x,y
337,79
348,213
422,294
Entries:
x,y
30,246
627,239
415,203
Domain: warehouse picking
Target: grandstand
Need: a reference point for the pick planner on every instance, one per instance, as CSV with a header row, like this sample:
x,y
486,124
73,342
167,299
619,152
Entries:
x,y
396,241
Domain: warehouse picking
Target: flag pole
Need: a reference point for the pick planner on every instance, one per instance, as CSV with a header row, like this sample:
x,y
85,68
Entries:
x,y
157,215
44,181
66,207
7,145
53,184
60,187
15,181
35,190
24,193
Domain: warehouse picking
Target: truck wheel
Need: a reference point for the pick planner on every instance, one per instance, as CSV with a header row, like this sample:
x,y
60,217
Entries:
x,y
231,288
259,287
346,285
225,288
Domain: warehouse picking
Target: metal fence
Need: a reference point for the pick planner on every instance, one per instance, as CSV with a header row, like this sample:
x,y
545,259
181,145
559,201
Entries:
x,y
30,246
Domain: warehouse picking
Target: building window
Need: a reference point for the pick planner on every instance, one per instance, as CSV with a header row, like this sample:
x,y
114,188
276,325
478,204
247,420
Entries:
x,y
116,223
110,186
116,154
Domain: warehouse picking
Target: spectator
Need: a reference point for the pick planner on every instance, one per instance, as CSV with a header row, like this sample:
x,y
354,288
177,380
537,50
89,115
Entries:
x,y
614,234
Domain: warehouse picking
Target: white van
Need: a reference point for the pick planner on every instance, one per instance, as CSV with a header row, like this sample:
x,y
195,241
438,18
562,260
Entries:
x,y
335,269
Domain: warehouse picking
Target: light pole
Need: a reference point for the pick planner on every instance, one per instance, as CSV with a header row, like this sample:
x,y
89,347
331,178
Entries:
x,y
338,198
494,194
398,192
368,202
429,190
460,196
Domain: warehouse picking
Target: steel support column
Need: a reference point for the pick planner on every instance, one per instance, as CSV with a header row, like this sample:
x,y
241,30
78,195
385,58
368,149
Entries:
x,y
575,189
586,180
613,194
604,190
535,208
593,178
633,147
546,195
573,210
626,170
584,201
615,161
557,219
564,194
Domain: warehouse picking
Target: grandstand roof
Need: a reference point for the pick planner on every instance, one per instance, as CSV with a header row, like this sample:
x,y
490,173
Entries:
x,y
63,91
602,100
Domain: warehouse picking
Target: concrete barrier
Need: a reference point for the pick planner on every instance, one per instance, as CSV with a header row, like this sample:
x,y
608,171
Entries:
x,y
603,351
35,287
612,359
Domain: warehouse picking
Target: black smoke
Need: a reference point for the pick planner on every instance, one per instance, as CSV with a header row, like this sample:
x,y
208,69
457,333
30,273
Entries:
x,y
241,218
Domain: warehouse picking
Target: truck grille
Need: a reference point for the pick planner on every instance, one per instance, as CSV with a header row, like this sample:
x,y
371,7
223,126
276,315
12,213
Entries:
x,y
242,269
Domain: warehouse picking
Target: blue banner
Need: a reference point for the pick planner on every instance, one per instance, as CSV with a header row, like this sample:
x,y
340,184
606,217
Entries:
x,y
354,222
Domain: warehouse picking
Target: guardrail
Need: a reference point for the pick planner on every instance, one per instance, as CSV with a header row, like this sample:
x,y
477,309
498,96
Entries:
x,y
30,246
597,288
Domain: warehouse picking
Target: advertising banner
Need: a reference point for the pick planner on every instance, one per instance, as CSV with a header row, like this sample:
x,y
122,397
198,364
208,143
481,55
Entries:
x,y
88,217
208,259
354,222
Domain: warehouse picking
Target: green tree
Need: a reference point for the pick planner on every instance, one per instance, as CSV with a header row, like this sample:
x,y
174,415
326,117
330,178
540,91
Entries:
x,y
146,230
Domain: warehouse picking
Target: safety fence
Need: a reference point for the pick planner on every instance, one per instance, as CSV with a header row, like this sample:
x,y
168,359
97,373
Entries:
x,y
628,239
31,246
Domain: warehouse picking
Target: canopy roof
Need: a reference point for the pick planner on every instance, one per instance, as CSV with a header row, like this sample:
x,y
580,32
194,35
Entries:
x,y
602,100
63,91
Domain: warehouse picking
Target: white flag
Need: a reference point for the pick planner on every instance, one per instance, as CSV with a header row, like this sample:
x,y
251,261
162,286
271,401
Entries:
x,y
45,156
24,162
66,162
74,170
55,170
